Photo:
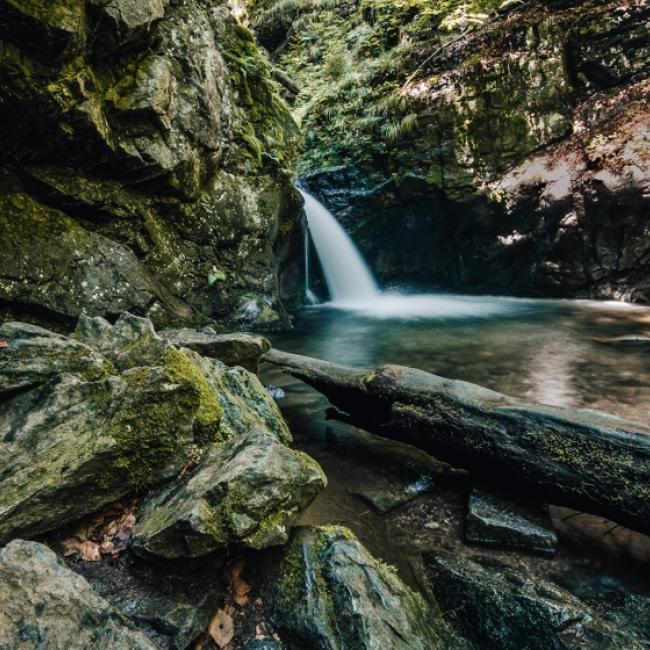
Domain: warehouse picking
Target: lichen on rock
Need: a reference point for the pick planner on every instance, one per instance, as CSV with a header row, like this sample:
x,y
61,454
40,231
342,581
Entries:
x,y
149,146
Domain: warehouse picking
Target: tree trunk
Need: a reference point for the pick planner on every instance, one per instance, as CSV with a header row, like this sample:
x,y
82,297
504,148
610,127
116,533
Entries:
x,y
586,460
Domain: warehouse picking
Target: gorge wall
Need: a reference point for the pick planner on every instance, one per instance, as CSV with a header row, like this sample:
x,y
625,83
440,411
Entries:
x,y
479,146
146,165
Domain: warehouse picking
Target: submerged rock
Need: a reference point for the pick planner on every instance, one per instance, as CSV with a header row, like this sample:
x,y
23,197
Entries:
x,y
634,341
248,491
496,609
46,605
237,349
394,491
501,523
325,591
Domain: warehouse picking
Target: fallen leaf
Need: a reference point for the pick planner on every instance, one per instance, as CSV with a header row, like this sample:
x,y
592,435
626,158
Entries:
x,y
89,551
222,628
3,344
239,588
106,533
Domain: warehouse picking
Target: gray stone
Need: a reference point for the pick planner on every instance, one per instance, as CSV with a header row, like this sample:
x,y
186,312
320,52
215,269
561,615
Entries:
x,y
173,607
326,592
495,521
496,609
249,491
394,492
237,349
245,402
35,355
88,435
46,606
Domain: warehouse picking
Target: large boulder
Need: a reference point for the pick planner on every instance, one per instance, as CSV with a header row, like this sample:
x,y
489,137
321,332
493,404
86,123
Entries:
x,y
86,436
496,609
47,606
248,491
150,163
325,591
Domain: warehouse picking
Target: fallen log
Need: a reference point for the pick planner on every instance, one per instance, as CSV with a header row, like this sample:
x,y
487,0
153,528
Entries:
x,y
582,459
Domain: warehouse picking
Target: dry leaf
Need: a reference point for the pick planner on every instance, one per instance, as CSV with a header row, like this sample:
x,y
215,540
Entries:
x,y
239,588
89,551
3,344
104,534
222,628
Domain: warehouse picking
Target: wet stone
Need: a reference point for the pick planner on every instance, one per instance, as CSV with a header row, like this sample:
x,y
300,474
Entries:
x,y
394,491
496,522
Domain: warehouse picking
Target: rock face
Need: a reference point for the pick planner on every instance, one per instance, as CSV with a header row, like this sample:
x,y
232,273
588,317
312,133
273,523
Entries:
x,y
46,605
498,522
250,491
115,409
496,610
479,146
146,163
328,593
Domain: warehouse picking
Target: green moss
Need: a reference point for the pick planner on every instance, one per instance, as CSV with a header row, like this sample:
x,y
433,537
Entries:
x,y
180,369
270,531
268,127
149,436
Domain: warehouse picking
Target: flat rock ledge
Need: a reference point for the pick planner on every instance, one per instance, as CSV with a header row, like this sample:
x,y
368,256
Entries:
x,y
497,522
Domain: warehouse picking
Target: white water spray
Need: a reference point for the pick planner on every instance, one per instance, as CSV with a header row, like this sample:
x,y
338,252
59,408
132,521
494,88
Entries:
x,y
352,286
348,278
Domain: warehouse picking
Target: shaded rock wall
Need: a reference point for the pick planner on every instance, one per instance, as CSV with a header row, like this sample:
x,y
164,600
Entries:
x,y
475,146
145,164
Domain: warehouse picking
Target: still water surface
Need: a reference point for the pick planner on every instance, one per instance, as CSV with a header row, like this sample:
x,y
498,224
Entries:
x,y
554,352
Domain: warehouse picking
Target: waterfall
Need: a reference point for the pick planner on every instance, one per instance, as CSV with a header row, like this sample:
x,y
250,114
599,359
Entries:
x,y
348,278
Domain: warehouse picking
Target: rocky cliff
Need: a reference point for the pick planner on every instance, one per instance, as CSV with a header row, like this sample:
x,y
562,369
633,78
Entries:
x,y
145,164
482,146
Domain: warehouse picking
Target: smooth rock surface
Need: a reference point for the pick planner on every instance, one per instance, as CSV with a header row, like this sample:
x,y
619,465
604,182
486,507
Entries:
x,y
495,521
46,606
326,592
247,491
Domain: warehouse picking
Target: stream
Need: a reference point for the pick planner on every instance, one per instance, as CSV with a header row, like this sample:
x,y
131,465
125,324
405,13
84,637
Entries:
x,y
564,353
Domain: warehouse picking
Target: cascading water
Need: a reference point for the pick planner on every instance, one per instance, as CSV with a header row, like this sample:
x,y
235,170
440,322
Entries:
x,y
348,278
352,286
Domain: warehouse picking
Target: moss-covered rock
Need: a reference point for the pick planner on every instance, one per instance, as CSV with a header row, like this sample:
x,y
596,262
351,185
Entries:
x,y
457,96
150,153
245,350
46,605
246,491
325,591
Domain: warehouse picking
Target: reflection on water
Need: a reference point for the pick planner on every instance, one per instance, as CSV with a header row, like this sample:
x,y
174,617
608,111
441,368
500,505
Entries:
x,y
554,352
